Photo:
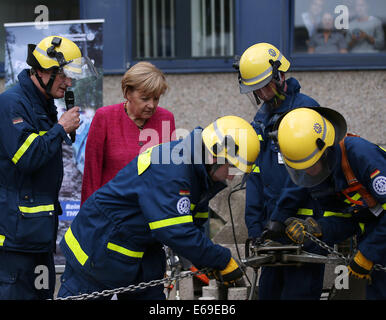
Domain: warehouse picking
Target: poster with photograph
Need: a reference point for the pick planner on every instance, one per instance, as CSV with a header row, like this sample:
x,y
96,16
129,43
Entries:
x,y
88,93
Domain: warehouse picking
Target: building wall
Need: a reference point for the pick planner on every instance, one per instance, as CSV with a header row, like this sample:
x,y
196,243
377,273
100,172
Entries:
x,y
198,99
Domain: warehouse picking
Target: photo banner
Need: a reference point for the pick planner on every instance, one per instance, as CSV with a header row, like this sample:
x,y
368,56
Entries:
x,y
88,93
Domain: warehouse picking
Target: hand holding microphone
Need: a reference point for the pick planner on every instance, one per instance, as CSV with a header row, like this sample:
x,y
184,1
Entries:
x,y
70,120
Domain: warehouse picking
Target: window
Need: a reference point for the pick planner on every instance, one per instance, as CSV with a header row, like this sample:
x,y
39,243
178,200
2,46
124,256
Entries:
x,y
212,28
172,29
155,27
339,26
24,11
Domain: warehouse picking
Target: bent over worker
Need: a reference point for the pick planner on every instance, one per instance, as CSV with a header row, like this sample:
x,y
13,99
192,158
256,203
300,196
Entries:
x,y
161,197
345,173
31,165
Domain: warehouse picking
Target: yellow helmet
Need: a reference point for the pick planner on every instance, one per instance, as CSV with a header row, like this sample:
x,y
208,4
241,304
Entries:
x,y
304,134
258,65
233,139
59,52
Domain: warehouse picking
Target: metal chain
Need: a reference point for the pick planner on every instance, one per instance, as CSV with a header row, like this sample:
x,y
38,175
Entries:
x,y
326,247
379,267
153,283
331,250
130,288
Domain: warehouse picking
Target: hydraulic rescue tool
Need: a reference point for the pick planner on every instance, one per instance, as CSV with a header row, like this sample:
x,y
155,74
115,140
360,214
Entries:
x,y
272,253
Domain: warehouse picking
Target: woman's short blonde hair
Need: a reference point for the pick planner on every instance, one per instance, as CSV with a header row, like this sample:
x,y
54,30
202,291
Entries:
x,y
144,77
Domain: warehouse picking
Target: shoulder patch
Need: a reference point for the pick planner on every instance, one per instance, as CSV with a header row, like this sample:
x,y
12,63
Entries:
x,y
379,185
183,205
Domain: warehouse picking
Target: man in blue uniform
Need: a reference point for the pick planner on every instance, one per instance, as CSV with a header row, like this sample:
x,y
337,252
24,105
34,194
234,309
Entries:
x,y
31,167
262,70
348,175
159,198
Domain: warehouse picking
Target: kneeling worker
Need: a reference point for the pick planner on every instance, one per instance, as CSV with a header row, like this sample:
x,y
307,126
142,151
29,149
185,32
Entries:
x,y
158,199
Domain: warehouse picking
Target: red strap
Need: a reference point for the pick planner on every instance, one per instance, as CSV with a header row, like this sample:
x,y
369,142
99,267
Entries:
x,y
202,277
352,181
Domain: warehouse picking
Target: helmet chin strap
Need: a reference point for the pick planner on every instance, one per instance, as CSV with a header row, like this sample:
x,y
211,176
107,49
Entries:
x,y
277,78
47,87
279,91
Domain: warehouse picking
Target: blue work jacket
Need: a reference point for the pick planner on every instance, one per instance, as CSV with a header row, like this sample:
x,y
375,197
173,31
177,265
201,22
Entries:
x,y
31,168
161,197
341,218
269,176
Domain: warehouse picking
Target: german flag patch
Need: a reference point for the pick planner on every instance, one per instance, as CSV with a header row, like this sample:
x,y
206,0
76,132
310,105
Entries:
x,y
374,174
17,120
184,193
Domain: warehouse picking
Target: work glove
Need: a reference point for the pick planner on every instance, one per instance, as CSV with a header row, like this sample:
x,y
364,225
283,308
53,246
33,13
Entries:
x,y
360,267
230,274
296,229
273,230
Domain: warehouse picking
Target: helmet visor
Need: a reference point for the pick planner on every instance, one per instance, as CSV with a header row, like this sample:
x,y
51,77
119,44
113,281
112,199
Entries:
x,y
244,88
80,68
253,98
313,175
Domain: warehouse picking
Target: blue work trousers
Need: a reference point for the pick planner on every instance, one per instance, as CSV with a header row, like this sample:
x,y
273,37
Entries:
x,y
26,276
291,283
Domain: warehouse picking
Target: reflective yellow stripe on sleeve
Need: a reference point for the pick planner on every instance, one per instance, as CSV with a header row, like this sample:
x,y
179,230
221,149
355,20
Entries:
x,y
124,251
74,246
170,222
24,147
202,215
384,206
355,197
49,207
305,212
337,214
2,238
362,226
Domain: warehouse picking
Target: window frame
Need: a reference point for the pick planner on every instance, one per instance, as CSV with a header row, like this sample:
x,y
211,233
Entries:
x,y
118,39
183,64
316,62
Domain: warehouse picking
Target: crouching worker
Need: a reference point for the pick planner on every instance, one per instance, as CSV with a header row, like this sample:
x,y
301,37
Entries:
x,y
159,198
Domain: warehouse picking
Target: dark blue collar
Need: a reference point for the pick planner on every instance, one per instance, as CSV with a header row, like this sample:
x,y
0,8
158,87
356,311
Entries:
x,y
266,112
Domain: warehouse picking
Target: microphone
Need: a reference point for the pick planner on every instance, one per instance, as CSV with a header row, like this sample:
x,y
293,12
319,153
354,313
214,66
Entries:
x,y
70,101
